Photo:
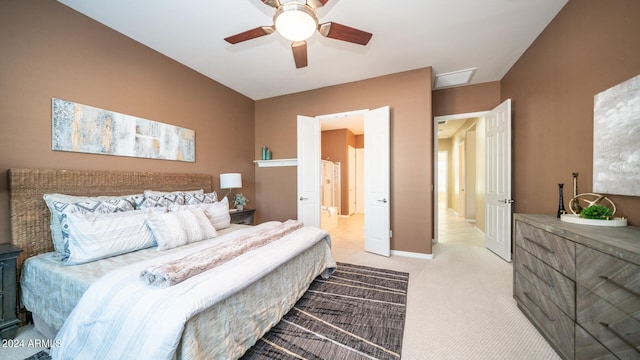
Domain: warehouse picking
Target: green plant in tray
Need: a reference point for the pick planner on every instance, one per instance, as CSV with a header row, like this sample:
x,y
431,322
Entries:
x,y
598,212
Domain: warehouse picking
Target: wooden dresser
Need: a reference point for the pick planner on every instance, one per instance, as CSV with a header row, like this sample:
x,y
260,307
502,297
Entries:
x,y
579,285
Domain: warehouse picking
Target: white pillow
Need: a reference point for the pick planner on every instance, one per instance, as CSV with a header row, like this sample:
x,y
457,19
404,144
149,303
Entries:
x,y
218,212
179,228
94,236
60,205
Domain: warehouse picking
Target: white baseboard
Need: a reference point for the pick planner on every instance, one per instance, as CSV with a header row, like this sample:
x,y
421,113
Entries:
x,y
412,254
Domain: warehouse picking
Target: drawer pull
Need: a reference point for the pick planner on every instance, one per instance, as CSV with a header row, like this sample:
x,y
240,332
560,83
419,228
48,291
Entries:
x,y
539,245
619,336
538,306
538,276
606,278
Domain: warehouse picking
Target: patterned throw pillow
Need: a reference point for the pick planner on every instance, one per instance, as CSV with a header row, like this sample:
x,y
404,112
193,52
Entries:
x,y
179,228
161,193
197,199
143,202
62,210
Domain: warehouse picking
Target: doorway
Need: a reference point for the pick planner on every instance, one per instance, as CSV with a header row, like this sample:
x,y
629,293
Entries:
x,y
342,141
376,175
459,152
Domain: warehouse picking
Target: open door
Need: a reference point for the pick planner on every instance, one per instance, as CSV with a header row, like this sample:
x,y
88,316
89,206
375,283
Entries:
x,y
377,223
498,197
309,175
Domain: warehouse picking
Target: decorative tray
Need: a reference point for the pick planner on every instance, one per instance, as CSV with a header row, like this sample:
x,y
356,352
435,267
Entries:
x,y
575,219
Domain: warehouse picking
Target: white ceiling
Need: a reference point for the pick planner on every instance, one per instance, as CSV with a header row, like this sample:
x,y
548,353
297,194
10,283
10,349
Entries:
x,y
449,35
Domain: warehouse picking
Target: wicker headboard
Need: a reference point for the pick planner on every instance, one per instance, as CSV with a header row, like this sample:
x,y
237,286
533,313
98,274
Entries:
x,y
30,215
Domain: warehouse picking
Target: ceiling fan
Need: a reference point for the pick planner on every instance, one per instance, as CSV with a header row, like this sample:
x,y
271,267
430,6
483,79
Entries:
x,y
297,21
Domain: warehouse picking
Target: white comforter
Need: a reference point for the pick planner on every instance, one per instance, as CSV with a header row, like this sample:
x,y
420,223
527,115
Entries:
x,y
120,317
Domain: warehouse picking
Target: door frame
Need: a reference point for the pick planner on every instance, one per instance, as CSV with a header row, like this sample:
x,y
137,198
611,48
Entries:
x,y
318,120
437,119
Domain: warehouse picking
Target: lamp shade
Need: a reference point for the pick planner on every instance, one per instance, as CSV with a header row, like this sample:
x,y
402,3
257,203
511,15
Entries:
x,y
230,181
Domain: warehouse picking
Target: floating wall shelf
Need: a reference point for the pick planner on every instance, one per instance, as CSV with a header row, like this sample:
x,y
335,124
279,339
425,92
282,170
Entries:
x,y
276,162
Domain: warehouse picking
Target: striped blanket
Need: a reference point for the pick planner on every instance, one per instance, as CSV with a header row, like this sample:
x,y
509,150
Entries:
x,y
121,317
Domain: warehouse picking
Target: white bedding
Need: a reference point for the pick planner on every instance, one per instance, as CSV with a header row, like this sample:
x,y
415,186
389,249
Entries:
x,y
250,293
50,289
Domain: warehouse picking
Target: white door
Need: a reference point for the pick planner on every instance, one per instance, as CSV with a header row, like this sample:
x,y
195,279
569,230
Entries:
x,y
498,162
352,180
360,181
309,166
376,185
462,182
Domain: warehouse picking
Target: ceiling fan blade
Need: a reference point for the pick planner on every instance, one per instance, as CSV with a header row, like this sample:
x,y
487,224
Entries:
x,y
272,3
344,33
317,3
250,34
299,49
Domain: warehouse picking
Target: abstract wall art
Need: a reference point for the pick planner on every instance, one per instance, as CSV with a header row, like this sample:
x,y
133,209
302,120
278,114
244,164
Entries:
x,y
86,129
616,139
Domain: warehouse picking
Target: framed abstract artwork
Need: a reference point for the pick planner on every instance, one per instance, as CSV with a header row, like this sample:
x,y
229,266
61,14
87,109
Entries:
x,y
616,139
82,128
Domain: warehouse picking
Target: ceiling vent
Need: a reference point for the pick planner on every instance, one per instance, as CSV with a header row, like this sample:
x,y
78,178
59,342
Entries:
x,y
454,78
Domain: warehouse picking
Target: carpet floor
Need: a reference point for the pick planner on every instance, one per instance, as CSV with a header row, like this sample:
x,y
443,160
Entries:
x,y
358,313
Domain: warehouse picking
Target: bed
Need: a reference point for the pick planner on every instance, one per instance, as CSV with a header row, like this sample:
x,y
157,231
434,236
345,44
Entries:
x,y
96,306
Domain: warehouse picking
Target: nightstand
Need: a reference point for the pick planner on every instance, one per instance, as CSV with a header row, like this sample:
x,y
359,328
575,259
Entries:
x,y
9,321
244,217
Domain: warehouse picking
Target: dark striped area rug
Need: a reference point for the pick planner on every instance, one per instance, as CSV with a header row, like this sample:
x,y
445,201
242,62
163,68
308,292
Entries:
x,y
358,313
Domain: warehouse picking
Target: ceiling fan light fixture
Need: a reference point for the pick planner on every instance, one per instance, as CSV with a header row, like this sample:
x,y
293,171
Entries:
x,y
295,21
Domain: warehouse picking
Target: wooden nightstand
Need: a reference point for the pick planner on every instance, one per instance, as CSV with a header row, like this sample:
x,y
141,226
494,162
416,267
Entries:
x,y
244,217
9,321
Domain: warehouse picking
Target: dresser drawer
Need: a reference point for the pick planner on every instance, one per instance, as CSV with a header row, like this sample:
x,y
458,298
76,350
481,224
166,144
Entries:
x,y
616,330
553,250
588,348
552,284
615,280
557,327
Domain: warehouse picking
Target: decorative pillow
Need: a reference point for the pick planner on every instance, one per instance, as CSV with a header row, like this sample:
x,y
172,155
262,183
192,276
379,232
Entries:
x,y
218,212
179,228
161,193
61,205
143,202
196,199
94,236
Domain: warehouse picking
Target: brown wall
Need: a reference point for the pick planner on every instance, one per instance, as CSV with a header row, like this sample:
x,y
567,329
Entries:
x,y
409,96
49,50
590,46
466,99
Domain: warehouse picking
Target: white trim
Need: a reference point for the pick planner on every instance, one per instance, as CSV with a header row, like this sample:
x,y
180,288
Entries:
x,y
343,114
459,116
276,162
412,254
